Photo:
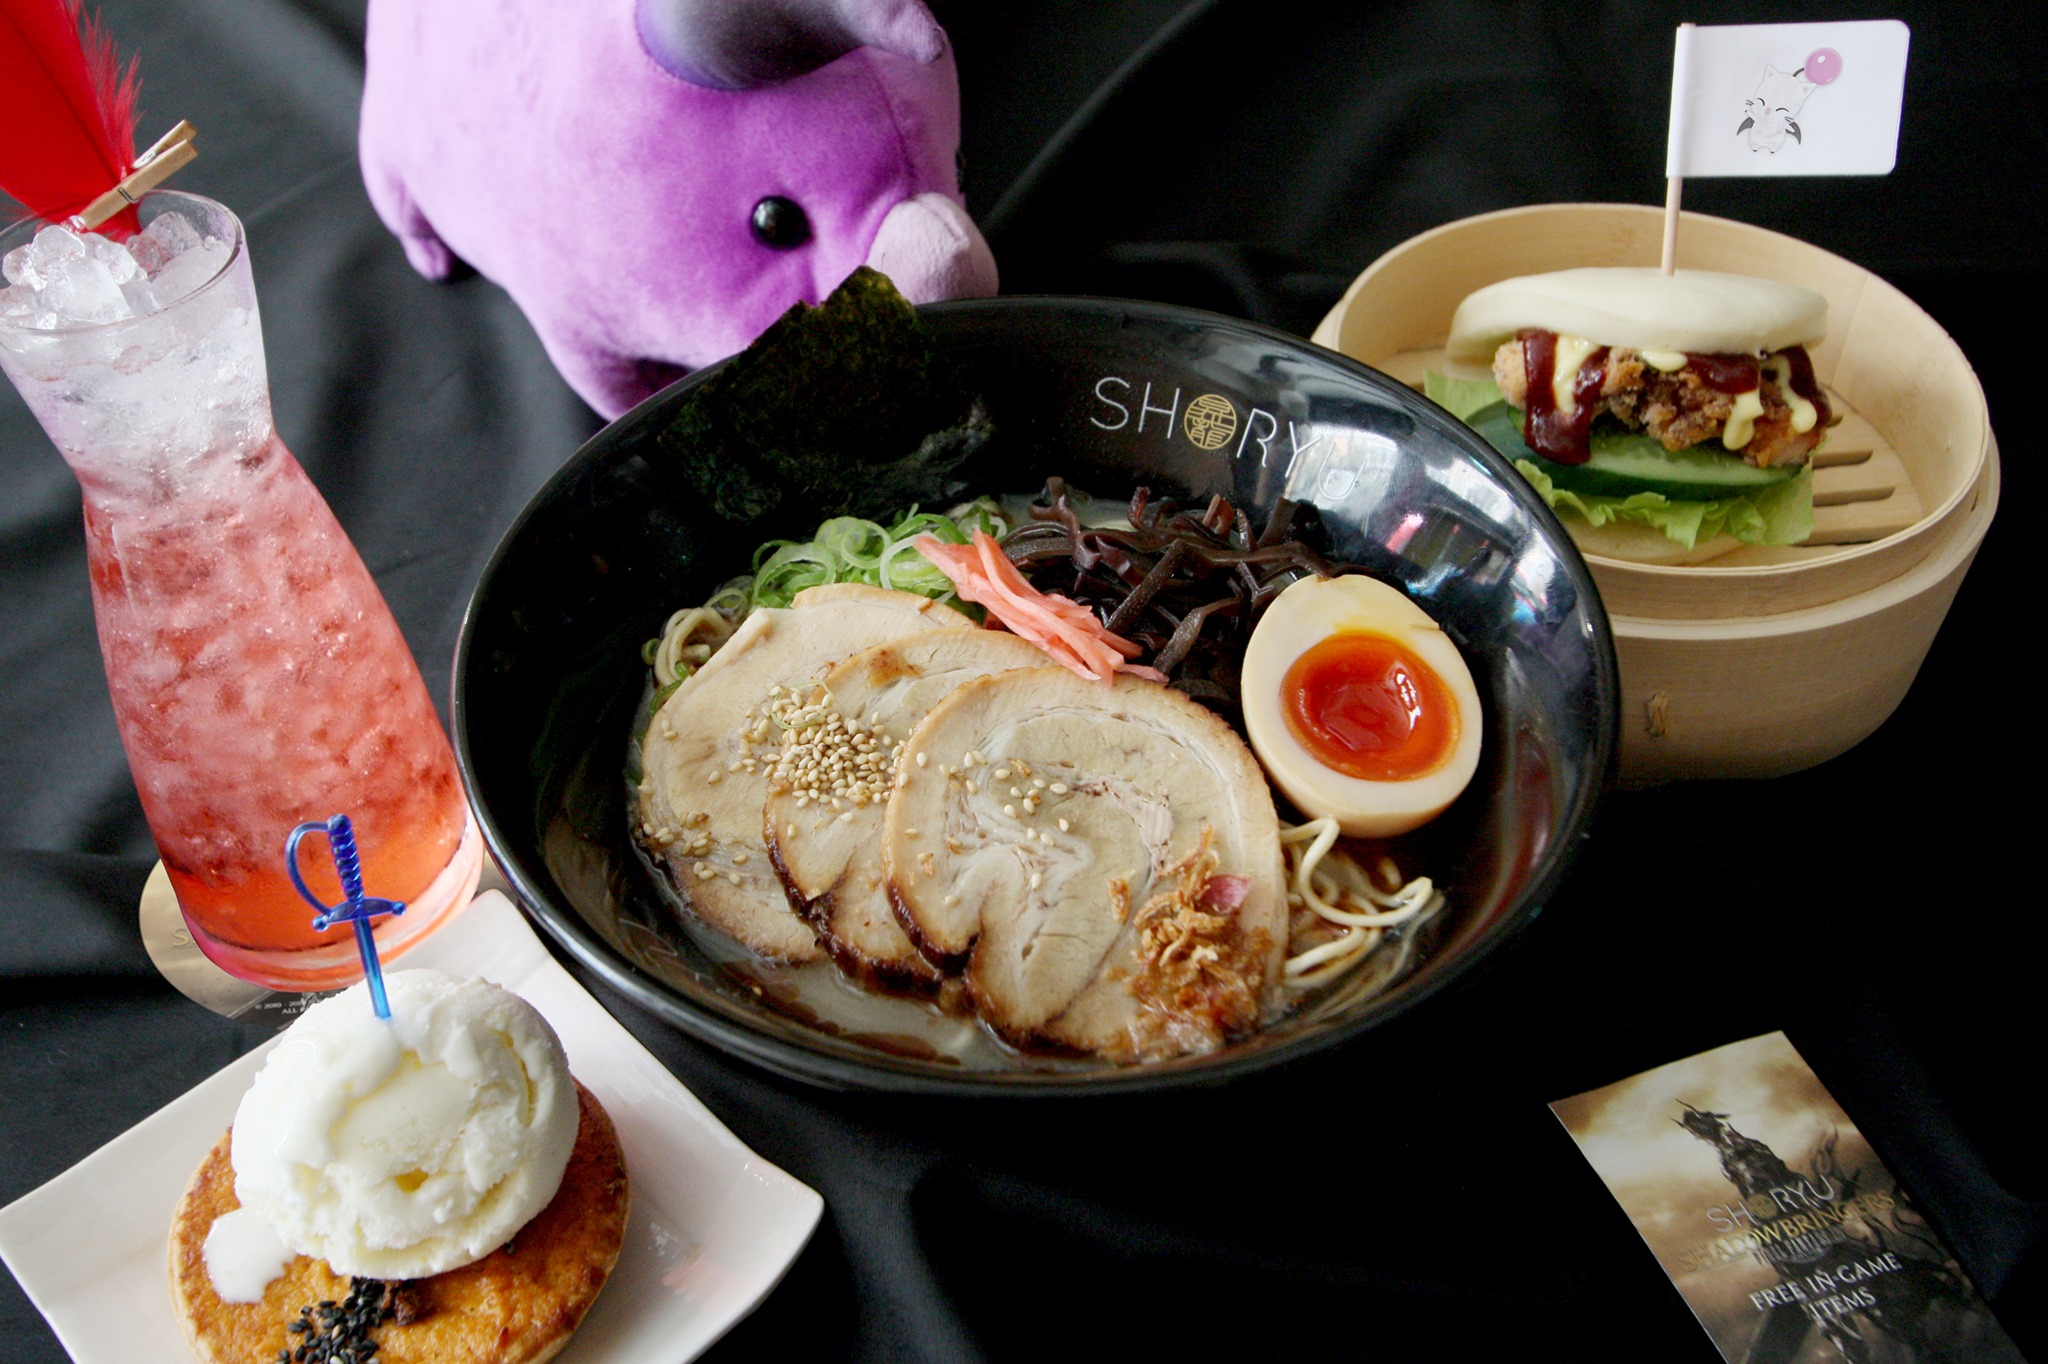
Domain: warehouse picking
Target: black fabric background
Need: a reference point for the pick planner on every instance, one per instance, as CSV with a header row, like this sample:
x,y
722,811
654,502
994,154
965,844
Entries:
x,y
1407,1197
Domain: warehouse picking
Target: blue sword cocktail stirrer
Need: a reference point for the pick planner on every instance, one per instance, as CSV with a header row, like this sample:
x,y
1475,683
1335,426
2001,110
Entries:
x,y
357,909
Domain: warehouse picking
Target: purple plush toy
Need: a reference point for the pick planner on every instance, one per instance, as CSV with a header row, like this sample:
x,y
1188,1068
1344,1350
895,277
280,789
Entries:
x,y
655,181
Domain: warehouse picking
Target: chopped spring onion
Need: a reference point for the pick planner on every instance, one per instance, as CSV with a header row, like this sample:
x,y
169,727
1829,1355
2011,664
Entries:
x,y
845,549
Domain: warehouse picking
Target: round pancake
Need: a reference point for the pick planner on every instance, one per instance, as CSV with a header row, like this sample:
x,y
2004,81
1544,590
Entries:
x,y
517,1305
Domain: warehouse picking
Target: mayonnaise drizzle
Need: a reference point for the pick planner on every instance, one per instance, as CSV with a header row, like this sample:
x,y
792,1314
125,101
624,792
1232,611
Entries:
x,y
1572,353
1804,413
1742,420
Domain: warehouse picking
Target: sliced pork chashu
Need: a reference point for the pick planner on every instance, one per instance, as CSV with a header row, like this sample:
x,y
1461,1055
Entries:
x,y
1103,862
823,816
704,756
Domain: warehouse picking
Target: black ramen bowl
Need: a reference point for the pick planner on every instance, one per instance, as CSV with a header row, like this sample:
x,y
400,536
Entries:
x,y
1108,395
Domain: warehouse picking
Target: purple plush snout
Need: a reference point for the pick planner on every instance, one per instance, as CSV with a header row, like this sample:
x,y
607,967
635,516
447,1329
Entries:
x,y
656,182
932,250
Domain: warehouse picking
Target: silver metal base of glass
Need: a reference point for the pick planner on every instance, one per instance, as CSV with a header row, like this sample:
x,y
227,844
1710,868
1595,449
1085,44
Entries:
x,y
180,961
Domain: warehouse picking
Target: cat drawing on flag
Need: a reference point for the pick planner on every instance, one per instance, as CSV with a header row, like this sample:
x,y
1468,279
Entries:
x,y
1772,113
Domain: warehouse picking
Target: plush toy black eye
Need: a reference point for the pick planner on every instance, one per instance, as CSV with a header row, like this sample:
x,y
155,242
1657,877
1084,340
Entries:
x,y
781,223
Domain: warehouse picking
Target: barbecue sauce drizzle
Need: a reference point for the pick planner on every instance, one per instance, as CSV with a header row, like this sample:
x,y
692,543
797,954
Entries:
x,y
1726,373
1805,385
1563,437
1555,435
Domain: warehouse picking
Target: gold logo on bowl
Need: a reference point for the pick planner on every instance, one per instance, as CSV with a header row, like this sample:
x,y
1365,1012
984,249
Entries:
x,y
1209,421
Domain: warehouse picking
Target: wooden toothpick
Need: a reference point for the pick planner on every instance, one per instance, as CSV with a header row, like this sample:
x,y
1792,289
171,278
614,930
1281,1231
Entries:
x,y
1674,185
172,151
1672,189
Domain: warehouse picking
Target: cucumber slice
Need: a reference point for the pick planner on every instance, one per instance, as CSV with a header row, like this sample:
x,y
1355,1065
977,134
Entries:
x,y
1625,462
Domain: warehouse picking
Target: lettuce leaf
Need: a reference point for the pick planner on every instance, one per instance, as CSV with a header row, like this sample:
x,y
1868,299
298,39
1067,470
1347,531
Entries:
x,y
1779,515
1460,397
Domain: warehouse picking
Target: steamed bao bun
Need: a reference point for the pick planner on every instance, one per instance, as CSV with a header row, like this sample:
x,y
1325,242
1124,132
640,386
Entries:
x,y
1702,311
403,1147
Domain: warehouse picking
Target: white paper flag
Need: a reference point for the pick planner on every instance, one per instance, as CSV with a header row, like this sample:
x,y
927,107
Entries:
x,y
1787,99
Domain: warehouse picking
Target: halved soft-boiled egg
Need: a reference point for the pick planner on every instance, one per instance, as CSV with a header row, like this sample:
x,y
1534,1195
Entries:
x,y
1359,706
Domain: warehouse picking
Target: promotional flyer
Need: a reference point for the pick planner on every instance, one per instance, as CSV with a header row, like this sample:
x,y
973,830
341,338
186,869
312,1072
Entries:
x,y
1788,1238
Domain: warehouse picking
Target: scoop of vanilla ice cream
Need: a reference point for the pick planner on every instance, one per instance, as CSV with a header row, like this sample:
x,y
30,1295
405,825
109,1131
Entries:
x,y
401,1147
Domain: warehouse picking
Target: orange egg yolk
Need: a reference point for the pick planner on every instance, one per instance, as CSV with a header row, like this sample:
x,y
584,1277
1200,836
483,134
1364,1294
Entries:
x,y
1364,705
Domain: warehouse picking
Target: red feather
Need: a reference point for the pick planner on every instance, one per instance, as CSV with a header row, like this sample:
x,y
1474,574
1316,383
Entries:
x,y
67,109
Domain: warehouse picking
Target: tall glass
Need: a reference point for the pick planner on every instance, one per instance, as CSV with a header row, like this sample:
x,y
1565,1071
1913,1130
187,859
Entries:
x,y
258,678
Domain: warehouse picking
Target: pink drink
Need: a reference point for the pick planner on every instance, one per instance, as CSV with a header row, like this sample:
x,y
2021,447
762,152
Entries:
x,y
258,678
260,681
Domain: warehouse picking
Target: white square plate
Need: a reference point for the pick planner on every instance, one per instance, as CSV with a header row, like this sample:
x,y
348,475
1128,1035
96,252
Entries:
x,y
712,1229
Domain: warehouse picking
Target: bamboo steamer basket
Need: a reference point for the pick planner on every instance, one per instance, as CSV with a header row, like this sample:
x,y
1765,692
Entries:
x,y
1764,661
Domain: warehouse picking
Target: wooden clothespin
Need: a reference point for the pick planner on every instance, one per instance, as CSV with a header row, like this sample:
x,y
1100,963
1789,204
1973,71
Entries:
x,y
173,150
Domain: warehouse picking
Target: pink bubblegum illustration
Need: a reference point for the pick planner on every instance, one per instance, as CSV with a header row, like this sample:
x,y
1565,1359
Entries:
x,y
1823,66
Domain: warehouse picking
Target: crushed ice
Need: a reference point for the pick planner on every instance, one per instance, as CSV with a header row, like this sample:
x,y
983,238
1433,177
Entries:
x,y
64,279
